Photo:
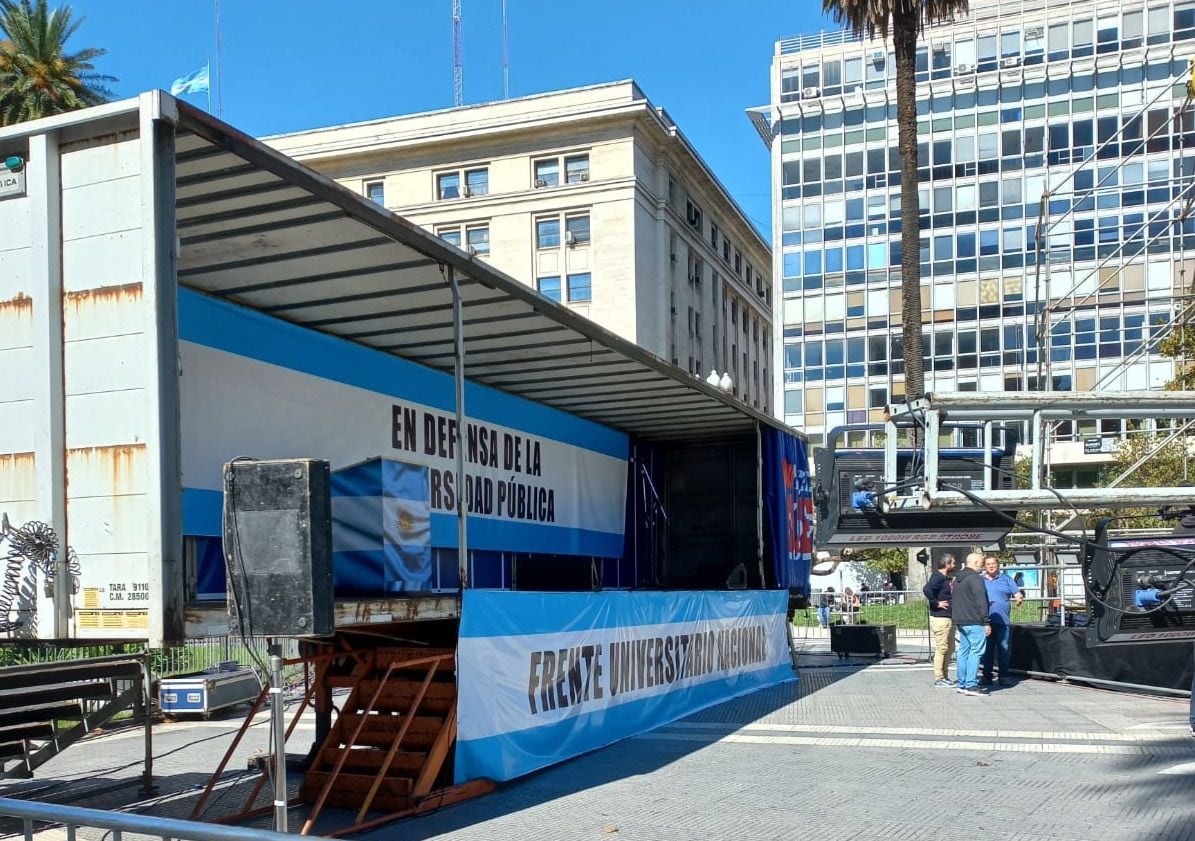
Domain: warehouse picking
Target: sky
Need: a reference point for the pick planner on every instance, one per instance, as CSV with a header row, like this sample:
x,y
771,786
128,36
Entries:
x,y
289,65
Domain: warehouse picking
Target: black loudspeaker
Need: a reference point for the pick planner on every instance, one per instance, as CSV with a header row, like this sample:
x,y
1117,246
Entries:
x,y
278,547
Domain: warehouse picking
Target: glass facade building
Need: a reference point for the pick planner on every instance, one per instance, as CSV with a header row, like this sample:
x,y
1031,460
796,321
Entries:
x,y
1068,116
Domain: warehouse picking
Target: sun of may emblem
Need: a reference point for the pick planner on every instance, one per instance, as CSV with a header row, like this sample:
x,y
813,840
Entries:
x,y
405,523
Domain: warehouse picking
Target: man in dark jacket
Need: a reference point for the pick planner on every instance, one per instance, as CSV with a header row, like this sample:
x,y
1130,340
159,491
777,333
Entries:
x,y
969,612
937,593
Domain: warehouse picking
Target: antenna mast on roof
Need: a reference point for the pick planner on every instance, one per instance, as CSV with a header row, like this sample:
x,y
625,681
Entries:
x,y
505,55
458,78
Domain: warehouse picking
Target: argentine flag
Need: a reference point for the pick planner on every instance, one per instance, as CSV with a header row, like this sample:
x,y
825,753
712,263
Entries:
x,y
194,82
381,528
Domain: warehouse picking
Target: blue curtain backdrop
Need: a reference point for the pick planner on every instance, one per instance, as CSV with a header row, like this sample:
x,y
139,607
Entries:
x,y
788,503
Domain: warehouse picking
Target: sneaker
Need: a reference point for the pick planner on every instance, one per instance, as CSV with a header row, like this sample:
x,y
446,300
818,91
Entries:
x,y
945,682
985,681
1004,681
974,692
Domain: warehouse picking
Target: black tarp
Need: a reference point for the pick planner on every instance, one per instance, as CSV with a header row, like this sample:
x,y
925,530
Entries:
x,y
1064,652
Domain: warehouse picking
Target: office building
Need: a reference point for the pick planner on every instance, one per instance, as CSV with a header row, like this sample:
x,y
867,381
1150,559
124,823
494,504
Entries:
x,y
1083,99
592,195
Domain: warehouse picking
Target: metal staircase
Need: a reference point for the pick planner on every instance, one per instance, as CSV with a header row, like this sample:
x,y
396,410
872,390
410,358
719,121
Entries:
x,y
47,707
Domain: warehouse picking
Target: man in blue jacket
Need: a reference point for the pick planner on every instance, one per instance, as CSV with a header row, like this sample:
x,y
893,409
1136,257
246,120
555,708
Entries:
x,y
969,611
1002,592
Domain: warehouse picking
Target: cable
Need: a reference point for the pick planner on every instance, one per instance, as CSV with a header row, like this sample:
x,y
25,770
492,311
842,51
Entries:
x,y
1089,549
244,614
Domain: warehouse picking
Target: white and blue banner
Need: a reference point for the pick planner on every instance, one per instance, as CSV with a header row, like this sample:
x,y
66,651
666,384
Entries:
x,y
537,479
543,677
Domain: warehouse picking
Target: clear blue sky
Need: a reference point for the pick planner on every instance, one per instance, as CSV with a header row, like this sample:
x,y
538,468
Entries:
x,y
292,64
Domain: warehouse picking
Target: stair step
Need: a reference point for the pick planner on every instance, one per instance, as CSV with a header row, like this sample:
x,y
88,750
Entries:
x,y
45,674
350,790
40,713
27,696
380,730
397,695
369,759
9,750
37,730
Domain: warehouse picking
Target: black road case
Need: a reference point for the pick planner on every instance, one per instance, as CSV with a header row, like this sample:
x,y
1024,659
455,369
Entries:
x,y
878,640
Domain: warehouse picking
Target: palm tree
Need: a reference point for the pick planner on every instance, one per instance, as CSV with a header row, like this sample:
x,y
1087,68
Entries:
x,y
38,77
904,21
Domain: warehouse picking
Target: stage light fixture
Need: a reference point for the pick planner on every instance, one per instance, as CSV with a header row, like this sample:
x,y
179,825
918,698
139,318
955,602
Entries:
x,y
1068,557
1025,557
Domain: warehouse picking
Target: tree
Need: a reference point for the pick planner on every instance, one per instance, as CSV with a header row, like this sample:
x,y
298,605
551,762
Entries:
x,y
885,561
904,20
38,76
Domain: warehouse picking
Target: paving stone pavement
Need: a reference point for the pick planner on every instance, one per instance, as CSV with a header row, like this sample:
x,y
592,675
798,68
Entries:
x,y
852,750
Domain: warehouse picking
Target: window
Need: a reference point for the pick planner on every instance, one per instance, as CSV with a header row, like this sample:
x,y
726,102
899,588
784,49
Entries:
x,y
448,185
477,182
547,232
579,287
576,230
478,239
549,287
576,169
693,214
375,191
713,236
547,173
452,235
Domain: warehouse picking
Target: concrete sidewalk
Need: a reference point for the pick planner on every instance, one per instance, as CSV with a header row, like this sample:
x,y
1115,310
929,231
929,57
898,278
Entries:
x,y
867,751
852,750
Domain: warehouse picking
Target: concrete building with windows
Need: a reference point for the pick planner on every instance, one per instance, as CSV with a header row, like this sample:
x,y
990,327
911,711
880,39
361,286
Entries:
x,y
592,195
1080,102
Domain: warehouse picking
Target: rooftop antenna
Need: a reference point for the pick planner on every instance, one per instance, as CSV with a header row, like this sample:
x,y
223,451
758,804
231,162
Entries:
x,y
505,54
219,69
458,76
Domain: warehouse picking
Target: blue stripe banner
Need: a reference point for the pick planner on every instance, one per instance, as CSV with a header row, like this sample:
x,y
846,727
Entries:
x,y
547,676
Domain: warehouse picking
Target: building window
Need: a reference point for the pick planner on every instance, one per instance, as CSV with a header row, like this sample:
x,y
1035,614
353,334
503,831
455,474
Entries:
x,y
478,239
713,236
375,191
547,233
547,170
579,287
576,169
693,214
576,230
448,185
475,181
452,235
549,287
547,173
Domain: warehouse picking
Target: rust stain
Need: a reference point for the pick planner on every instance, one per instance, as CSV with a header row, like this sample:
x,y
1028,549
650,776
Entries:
x,y
128,292
9,461
118,460
22,304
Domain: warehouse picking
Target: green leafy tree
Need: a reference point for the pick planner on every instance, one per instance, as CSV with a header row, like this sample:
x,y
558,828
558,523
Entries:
x,y
1170,466
887,562
38,75
903,21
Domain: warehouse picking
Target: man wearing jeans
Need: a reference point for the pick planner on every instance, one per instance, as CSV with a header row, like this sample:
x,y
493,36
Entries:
x,y
1002,591
969,611
937,593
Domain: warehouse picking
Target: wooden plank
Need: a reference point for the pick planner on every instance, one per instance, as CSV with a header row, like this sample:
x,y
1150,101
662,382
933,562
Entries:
x,y
441,797
445,739
406,763
380,730
402,731
45,674
327,787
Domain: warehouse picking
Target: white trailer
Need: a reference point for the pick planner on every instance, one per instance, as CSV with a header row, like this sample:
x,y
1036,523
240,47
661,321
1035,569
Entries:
x,y
123,210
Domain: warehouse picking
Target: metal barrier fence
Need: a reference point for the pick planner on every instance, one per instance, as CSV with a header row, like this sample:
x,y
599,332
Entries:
x,y
118,824
908,610
194,655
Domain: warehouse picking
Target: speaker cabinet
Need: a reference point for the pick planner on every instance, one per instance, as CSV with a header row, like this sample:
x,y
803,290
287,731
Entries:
x,y
278,547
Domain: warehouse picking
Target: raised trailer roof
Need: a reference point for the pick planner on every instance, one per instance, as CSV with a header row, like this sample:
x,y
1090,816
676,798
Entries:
x,y
260,229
